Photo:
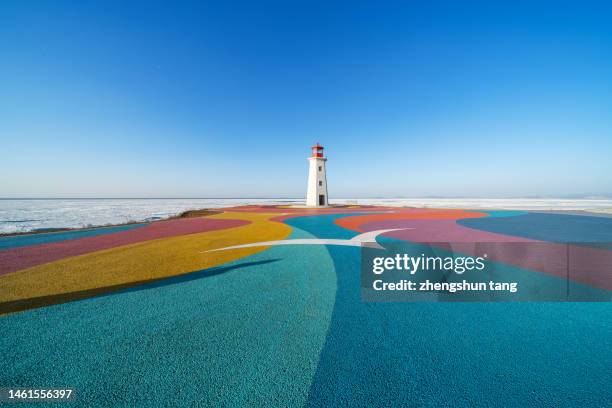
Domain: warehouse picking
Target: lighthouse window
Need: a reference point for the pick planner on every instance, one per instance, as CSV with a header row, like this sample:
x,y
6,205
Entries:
x,y
320,183
320,168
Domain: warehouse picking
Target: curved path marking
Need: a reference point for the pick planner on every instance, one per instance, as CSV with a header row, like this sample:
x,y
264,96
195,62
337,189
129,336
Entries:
x,y
354,222
24,257
411,351
253,336
586,265
16,241
367,239
436,230
588,229
134,263
250,336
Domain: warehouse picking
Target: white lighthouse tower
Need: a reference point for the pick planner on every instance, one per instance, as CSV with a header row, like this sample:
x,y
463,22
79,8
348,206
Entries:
x,y
317,180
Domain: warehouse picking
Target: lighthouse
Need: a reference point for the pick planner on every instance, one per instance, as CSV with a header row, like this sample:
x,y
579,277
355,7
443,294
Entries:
x,y
317,180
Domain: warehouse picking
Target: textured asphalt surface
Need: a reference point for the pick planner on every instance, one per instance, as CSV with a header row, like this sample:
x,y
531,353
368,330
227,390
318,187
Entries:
x,y
287,327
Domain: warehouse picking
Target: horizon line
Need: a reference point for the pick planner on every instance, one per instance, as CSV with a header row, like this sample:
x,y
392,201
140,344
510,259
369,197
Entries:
x,y
570,197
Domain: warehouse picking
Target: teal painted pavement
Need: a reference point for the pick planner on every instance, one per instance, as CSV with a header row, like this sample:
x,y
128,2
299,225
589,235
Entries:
x,y
247,333
17,241
287,327
442,354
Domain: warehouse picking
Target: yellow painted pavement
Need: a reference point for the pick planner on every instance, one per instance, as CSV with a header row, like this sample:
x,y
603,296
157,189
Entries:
x,y
94,273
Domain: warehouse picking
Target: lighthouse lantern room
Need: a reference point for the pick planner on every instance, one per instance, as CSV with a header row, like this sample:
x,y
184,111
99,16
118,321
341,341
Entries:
x,y
317,180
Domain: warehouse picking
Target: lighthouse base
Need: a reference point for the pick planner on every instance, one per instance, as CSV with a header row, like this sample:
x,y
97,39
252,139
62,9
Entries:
x,y
312,207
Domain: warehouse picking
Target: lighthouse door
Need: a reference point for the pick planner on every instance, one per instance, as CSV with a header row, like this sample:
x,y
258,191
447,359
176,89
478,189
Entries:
x,y
322,199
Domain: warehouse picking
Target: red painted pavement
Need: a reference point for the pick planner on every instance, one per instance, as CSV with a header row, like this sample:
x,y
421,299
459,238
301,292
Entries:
x,y
25,257
579,263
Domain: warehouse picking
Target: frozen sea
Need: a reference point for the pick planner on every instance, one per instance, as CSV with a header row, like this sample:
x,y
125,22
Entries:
x,y
23,215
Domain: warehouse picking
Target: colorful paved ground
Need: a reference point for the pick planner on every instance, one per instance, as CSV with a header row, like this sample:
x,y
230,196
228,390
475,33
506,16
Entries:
x,y
142,315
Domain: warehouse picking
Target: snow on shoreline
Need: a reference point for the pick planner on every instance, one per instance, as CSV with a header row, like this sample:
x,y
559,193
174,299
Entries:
x,y
533,204
30,215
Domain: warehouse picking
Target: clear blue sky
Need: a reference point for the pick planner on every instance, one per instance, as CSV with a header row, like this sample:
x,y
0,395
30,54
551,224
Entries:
x,y
105,99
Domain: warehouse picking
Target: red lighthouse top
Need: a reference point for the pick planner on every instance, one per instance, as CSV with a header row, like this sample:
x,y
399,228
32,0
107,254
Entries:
x,y
317,150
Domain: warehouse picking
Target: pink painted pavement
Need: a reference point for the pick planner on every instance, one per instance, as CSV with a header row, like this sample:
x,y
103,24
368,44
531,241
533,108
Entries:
x,y
25,257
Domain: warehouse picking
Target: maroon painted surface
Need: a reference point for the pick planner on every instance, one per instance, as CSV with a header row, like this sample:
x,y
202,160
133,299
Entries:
x,y
579,263
25,257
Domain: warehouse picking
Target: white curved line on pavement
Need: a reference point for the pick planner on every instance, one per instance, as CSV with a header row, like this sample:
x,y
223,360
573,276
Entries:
x,y
367,239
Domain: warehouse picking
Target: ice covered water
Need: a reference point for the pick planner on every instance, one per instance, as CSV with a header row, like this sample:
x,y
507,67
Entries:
x,y
31,215
533,204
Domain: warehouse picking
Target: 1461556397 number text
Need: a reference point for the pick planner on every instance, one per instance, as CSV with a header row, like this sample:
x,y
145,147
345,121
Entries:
x,y
19,394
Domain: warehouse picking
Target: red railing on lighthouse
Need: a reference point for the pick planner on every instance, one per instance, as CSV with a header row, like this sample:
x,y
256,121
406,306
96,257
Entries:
x,y
317,150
